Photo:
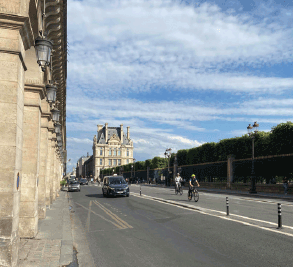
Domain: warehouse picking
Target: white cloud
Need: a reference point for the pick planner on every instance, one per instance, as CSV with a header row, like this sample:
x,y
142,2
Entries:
x,y
135,45
125,52
79,141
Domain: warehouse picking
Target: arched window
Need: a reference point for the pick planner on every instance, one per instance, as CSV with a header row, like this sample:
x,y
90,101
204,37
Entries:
x,y
101,151
110,152
115,152
119,152
127,152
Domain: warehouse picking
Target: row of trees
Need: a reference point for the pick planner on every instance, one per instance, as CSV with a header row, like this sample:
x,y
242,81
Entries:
x,y
278,141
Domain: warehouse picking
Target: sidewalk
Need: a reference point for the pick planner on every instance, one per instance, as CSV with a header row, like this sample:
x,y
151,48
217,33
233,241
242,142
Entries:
x,y
53,245
236,192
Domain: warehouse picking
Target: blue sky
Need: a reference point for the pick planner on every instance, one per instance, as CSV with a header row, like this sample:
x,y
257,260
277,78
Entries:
x,y
179,73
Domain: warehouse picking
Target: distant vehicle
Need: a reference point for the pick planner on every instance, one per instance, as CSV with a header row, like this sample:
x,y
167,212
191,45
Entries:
x,y
74,186
115,186
83,181
72,177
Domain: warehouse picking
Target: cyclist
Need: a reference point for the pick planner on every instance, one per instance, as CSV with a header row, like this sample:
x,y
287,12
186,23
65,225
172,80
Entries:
x,y
178,181
192,182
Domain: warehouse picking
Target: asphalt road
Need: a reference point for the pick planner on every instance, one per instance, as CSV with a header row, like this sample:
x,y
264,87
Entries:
x,y
160,228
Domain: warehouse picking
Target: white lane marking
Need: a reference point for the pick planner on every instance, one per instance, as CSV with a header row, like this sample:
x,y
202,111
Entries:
x,y
239,197
201,210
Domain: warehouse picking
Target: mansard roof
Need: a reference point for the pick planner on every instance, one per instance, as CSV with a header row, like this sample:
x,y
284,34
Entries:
x,y
111,132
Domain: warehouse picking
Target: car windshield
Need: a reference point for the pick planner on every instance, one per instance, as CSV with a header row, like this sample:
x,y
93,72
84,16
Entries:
x,y
83,180
117,181
74,182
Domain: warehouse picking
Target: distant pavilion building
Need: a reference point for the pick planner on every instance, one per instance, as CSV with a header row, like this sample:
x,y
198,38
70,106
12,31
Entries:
x,y
111,148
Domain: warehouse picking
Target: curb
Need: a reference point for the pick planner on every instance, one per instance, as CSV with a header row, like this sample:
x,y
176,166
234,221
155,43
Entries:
x,y
66,255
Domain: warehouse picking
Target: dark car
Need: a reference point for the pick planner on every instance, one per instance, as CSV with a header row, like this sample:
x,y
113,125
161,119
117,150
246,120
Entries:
x,y
83,181
115,186
74,186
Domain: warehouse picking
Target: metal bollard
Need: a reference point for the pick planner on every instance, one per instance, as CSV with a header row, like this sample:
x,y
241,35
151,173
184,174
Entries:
x,y
140,191
279,216
227,205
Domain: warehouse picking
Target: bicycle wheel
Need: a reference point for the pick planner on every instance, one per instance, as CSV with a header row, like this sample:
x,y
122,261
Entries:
x,y
196,196
176,191
181,191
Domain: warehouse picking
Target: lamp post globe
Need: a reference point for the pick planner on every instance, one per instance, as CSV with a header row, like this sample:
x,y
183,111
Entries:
x,y
55,114
59,138
51,92
43,47
57,128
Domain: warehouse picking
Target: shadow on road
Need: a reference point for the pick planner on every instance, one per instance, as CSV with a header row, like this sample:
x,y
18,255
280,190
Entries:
x,y
95,195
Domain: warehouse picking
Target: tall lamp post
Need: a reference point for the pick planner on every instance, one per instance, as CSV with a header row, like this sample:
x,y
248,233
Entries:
x,y
134,167
168,156
252,135
103,174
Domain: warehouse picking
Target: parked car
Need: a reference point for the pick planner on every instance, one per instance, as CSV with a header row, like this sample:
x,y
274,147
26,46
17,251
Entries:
x,y
74,186
115,186
83,181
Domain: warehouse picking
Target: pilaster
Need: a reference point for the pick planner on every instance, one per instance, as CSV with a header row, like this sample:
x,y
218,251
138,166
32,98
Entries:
x,y
28,216
15,37
54,139
43,180
49,163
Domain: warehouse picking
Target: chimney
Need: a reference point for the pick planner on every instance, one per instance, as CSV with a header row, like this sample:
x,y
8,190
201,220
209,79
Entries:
x,y
121,130
128,136
106,132
100,127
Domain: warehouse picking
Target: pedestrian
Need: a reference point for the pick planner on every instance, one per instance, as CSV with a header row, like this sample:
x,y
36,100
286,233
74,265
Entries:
x,y
285,185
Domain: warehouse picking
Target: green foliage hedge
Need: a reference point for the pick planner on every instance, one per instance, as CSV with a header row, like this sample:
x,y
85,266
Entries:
x,y
278,141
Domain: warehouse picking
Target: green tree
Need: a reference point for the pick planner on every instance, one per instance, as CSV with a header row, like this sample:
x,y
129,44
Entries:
x,y
158,162
181,157
281,141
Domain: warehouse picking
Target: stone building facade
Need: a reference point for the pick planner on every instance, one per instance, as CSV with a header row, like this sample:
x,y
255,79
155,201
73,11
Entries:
x,y
111,148
31,159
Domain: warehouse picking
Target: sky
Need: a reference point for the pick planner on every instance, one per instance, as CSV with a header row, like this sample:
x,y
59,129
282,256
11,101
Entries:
x,y
179,73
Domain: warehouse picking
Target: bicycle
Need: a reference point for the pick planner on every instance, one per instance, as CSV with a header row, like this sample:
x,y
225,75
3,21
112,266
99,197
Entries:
x,y
194,194
178,190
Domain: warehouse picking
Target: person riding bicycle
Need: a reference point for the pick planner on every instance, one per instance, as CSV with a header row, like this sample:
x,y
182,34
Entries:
x,y
192,182
178,181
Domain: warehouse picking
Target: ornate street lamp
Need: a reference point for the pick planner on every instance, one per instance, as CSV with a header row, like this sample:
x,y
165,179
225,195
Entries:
x,y
168,155
57,127
55,114
43,46
134,167
51,92
252,136
59,137
103,174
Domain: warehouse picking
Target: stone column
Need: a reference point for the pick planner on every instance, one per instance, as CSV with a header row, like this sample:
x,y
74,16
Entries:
x,y
57,174
28,216
15,38
45,117
49,163
52,168
53,193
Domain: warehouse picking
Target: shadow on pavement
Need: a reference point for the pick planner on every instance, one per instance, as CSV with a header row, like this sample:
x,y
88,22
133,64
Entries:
x,y
95,195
